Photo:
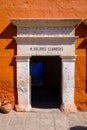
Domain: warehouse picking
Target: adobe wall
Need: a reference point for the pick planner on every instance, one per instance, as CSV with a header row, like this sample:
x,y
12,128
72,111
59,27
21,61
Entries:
x,y
40,9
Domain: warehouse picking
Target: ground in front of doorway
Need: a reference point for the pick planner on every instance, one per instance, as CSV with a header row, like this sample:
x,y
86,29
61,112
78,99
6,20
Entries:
x,y
43,119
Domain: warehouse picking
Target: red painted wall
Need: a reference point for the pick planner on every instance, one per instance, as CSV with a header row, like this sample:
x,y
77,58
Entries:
x,y
40,9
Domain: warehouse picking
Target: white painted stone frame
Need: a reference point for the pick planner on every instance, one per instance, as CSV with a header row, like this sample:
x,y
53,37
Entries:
x,y
46,33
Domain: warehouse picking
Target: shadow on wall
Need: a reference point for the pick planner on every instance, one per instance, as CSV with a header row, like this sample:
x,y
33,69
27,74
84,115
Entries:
x,y
78,128
81,31
8,33
83,45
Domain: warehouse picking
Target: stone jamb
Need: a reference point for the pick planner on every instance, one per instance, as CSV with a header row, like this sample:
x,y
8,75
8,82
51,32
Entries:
x,y
24,100
68,69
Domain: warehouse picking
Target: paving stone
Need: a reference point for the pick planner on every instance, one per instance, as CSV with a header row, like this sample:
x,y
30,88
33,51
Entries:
x,y
33,115
46,116
21,114
7,127
62,128
47,128
75,120
46,122
31,127
17,121
61,123
4,121
32,123
3,128
14,128
58,115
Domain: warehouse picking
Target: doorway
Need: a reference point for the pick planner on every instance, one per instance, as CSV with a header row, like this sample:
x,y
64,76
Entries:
x,y
45,81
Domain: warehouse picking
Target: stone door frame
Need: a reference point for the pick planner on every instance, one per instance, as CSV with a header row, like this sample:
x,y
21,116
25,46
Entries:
x,y
45,37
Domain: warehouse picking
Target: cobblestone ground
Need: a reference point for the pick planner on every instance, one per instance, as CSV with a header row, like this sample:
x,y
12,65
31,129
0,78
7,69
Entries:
x,y
41,119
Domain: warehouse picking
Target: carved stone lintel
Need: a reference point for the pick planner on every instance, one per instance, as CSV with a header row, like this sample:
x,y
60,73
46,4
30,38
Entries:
x,y
45,22
68,108
23,108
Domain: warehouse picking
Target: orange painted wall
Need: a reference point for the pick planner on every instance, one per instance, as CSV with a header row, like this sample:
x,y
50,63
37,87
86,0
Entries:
x,y
40,9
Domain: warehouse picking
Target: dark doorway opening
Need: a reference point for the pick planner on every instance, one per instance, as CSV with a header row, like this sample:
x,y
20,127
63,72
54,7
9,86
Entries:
x,y
45,81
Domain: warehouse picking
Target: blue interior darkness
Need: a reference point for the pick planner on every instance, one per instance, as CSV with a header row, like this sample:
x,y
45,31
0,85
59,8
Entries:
x,y
36,72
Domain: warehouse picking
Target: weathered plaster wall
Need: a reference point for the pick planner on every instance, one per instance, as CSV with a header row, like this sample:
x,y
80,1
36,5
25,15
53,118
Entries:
x,y
40,9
